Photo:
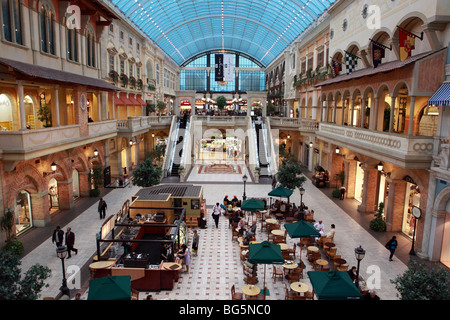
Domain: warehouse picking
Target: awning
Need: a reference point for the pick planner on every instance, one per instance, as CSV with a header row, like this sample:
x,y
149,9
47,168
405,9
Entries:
x,y
139,99
32,72
118,101
441,97
123,97
133,100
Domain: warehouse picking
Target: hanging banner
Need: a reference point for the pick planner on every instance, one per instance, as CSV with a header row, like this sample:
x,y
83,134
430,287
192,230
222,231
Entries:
x,y
407,44
228,67
218,67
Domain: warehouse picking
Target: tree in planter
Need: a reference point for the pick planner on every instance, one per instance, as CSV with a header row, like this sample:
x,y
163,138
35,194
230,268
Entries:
x,y
161,106
96,176
378,224
44,115
157,153
221,102
290,175
150,108
7,224
12,286
270,108
420,282
146,174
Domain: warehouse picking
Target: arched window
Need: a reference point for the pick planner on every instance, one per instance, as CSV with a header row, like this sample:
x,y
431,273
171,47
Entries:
x,y
46,24
72,44
12,20
90,48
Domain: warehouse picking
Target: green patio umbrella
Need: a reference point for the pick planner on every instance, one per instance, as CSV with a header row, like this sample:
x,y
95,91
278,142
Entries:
x,y
110,288
252,205
333,285
281,191
301,229
265,253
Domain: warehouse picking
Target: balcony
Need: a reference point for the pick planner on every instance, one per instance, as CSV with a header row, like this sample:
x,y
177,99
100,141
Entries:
x,y
303,125
138,125
222,121
413,152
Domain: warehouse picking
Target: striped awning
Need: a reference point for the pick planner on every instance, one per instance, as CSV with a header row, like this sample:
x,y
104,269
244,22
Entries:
x,y
441,97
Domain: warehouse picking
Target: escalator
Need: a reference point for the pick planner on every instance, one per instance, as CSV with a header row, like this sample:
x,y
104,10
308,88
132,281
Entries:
x,y
179,146
261,149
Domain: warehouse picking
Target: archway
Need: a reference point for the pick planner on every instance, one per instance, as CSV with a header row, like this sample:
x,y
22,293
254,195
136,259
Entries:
x,y
6,112
22,212
53,198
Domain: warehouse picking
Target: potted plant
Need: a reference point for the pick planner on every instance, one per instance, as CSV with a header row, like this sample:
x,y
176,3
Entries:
x,y
378,224
132,81
221,101
161,106
124,79
139,84
151,87
96,179
114,76
44,115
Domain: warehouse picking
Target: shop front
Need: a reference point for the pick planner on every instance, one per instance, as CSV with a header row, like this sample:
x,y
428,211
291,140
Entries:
x,y
22,211
412,198
221,147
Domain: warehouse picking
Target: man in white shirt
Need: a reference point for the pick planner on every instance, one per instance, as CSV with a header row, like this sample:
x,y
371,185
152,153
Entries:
x,y
320,227
216,214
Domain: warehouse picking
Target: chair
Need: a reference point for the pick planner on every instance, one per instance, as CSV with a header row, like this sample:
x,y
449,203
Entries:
x,y
297,297
294,276
235,295
325,269
134,294
262,296
292,251
314,256
343,267
321,241
289,294
331,253
309,295
286,255
251,280
277,273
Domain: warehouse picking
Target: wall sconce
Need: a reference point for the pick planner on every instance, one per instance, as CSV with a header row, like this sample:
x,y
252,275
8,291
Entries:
x,y
380,167
53,167
153,135
131,142
311,144
95,153
288,136
337,150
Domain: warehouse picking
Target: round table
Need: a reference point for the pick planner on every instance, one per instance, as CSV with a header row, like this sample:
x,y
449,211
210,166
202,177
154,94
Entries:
x,y
277,232
340,261
271,221
251,290
290,266
102,264
313,249
284,246
321,262
299,287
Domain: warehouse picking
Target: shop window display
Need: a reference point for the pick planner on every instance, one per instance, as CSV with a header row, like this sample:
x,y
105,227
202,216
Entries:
x,y
412,198
22,212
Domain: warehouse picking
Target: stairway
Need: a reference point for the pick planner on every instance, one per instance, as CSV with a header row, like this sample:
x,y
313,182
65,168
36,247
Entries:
x,y
179,148
263,161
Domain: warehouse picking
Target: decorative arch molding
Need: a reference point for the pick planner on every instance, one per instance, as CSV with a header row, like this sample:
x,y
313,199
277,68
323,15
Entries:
x,y
440,203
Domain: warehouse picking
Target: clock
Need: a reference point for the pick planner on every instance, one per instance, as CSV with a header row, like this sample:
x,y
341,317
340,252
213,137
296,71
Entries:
x,y
83,101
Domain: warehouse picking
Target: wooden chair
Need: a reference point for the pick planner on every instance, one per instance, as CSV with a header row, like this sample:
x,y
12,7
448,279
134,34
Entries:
x,y
343,267
251,280
321,241
297,297
292,251
309,295
331,253
286,255
289,294
314,256
236,295
277,273
262,296
134,294
294,276
325,269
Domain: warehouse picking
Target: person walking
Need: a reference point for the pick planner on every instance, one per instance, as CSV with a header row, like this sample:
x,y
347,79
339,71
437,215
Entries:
x,y
102,208
70,242
216,214
195,241
391,245
58,236
184,256
342,190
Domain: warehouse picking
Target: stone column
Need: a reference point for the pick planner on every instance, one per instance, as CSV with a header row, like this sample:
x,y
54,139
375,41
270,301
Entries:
x,y
80,109
411,115
23,120
350,176
55,99
65,194
391,116
352,109
370,190
396,204
84,183
40,208
363,112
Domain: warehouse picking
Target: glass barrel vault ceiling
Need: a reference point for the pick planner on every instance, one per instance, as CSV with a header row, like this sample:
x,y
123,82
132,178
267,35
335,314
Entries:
x,y
186,28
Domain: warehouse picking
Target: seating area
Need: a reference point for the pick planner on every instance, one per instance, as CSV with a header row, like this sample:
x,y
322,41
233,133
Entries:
x,y
320,254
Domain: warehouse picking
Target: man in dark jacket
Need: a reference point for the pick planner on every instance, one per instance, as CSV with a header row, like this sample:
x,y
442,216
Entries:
x,y
58,236
70,242
102,208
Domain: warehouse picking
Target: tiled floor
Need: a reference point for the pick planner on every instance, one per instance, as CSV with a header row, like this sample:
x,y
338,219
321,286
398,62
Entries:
x,y
218,265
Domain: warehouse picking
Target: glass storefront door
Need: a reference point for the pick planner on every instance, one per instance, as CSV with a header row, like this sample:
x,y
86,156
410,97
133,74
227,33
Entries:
x,y
412,198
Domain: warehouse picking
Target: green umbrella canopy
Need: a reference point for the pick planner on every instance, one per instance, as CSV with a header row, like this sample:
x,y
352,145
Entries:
x,y
265,253
281,192
110,288
301,229
252,205
333,285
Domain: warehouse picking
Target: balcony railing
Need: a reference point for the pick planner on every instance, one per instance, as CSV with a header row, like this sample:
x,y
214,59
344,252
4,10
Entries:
x,y
134,124
306,125
383,145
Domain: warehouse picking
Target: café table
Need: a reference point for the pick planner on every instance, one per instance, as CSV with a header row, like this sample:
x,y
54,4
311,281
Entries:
x,y
271,221
284,246
321,263
277,232
251,290
313,249
299,287
290,265
340,261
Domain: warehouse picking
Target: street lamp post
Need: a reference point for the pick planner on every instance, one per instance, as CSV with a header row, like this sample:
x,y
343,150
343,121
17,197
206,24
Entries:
x,y
416,212
61,252
359,254
244,178
301,213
